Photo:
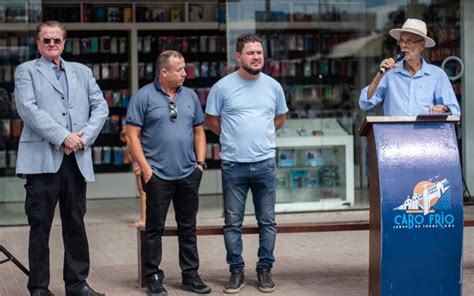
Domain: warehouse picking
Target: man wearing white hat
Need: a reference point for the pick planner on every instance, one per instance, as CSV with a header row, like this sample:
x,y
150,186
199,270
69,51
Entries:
x,y
410,86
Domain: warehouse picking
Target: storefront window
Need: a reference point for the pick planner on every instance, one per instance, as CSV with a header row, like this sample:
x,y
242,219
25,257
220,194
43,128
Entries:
x,y
322,53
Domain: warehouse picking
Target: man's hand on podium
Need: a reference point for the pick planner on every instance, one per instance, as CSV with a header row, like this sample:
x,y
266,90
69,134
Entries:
x,y
439,109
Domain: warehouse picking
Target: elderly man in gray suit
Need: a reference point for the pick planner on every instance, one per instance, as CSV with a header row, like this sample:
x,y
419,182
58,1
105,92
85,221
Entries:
x,y
63,110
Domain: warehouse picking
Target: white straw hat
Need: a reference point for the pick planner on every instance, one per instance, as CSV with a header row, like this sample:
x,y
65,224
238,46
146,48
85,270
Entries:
x,y
414,26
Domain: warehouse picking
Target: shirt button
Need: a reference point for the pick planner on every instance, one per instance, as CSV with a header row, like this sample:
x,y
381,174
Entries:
x,y
62,98
64,114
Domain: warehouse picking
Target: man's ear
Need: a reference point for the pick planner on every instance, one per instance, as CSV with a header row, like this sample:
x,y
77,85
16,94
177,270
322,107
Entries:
x,y
238,56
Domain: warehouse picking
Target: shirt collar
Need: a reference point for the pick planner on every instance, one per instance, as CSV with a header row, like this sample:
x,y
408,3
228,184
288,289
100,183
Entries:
x,y
425,70
52,65
158,87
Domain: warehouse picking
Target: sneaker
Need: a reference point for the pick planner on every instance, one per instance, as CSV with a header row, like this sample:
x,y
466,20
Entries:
x,y
235,283
155,285
265,283
195,285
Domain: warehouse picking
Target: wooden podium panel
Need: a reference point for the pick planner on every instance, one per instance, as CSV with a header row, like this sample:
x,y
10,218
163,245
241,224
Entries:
x,y
416,215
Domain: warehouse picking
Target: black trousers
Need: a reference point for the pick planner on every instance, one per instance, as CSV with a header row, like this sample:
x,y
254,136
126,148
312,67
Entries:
x,y
43,191
184,193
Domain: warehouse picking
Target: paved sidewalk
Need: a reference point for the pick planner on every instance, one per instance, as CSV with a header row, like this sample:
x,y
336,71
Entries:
x,y
320,264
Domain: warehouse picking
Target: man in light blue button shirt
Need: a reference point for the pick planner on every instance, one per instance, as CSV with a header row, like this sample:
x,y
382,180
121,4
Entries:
x,y
412,87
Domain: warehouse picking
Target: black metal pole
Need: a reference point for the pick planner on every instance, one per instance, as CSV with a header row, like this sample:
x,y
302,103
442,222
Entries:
x,y
14,260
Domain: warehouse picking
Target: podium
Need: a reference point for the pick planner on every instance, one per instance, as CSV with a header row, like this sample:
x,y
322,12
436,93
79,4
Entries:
x,y
416,214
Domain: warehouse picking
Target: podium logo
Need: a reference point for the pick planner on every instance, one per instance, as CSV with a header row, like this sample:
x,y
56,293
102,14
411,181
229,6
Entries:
x,y
425,207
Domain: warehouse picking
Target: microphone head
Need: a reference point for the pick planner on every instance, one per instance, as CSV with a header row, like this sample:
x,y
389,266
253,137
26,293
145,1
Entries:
x,y
400,56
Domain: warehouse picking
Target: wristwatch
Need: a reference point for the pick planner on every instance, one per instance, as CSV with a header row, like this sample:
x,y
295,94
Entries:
x,y
202,163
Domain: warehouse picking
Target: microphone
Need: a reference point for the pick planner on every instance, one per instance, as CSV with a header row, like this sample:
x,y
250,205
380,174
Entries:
x,y
397,59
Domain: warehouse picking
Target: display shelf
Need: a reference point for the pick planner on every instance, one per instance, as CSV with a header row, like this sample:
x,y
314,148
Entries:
x,y
315,165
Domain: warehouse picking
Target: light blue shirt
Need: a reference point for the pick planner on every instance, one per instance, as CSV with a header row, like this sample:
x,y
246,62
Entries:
x,y
247,109
62,79
403,94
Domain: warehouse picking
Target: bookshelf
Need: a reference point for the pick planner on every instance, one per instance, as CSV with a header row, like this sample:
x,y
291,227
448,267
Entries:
x,y
114,39
298,38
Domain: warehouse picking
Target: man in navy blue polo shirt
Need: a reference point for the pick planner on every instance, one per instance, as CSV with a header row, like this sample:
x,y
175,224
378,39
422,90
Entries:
x,y
167,139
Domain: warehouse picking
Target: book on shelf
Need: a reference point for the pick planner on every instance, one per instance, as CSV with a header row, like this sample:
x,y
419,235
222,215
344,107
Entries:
x,y
114,45
176,15
312,181
282,181
146,44
314,157
96,71
286,158
122,45
76,46
124,71
204,69
149,71
94,47
114,71
105,44
190,71
196,13
298,178
104,71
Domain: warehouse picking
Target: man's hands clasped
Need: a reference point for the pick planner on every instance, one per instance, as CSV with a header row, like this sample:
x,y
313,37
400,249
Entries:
x,y
73,143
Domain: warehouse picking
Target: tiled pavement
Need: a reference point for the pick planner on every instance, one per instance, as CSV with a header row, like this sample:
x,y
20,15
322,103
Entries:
x,y
321,264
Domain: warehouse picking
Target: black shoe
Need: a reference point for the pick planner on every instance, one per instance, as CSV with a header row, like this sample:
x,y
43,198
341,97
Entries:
x,y
235,283
85,291
155,285
195,285
40,292
265,283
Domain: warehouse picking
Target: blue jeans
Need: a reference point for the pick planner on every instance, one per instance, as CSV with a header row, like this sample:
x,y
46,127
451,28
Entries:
x,y
237,179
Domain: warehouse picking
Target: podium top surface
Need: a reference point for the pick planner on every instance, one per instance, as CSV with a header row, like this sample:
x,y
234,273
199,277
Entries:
x,y
369,120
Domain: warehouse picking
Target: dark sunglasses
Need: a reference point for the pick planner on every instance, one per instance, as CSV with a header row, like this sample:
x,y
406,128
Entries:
x,y
173,111
55,40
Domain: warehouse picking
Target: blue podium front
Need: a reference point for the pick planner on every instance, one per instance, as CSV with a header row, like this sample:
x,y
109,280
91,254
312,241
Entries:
x,y
416,207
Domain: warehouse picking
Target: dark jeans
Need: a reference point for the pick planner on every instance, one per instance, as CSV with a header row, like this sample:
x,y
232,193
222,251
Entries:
x,y
42,194
184,193
237,179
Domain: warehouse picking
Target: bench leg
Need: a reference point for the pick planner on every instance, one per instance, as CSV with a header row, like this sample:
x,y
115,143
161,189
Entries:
x,y
140,244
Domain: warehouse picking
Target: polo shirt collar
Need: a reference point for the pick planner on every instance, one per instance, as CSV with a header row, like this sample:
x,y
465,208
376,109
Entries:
x,y
158,87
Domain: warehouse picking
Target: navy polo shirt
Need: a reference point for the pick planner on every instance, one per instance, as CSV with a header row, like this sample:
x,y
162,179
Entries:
x,y
168,145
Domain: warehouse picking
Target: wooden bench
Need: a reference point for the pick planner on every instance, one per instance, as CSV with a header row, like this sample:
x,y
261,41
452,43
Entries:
x,y
253,229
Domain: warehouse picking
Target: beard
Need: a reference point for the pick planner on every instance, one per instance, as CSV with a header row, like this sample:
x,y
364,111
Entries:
x,y
252,71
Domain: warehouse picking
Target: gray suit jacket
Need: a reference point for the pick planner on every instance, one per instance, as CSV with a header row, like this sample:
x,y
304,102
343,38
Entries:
x,y
39,102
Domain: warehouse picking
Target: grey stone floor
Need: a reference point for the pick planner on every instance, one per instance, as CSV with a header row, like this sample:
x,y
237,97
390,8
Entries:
x,y
321,264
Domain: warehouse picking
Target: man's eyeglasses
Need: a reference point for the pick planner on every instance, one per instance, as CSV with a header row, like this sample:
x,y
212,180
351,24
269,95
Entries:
x,y
173,112
409,42
55,40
